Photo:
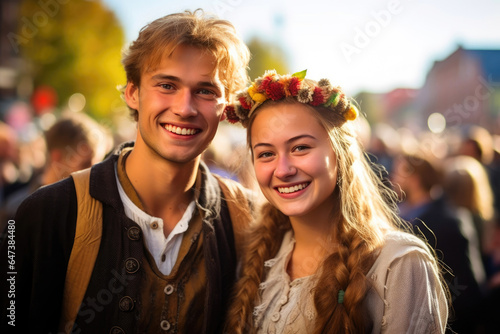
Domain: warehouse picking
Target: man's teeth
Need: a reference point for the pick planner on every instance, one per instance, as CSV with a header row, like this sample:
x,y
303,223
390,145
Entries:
x,y
287,190
180,131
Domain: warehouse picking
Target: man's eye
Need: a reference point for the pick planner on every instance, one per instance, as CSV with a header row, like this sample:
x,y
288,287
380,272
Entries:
x,y
206,92
166,86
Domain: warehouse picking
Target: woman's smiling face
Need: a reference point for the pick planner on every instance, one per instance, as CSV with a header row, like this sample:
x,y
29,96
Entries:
x,y
294,162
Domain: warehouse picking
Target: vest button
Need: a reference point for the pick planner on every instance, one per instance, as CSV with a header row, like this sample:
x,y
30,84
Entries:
x,y
275,317
131,265
165,325
134,233
169,289
116,330
126,304
283,300
154,225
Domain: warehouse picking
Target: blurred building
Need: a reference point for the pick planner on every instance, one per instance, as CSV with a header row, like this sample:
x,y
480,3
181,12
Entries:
x,y
464,88
391,108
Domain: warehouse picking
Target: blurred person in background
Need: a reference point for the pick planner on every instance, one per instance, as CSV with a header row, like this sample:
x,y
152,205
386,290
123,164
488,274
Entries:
x,y
418,178
74,142
228,156
477,142
382,145
9,159
494,247
467,186
218,154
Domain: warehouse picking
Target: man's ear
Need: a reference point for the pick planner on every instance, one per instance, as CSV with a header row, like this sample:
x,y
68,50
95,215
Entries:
x,y
131,95
224,114
56,155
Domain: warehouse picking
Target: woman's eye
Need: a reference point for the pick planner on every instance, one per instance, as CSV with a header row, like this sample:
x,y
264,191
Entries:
x,y
300,148
265,155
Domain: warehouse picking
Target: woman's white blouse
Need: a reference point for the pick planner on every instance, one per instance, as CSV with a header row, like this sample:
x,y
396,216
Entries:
x,y
406,294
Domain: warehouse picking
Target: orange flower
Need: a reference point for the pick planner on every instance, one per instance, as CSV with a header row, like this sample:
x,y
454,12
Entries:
x,y
351,114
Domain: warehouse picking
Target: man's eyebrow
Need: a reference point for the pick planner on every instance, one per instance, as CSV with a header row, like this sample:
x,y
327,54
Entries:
x,y
166,77
177,79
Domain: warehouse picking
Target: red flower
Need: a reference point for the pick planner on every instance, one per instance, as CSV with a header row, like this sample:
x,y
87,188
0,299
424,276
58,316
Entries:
x,y
265,83
318,97
275,90
294,86
231,115
244,103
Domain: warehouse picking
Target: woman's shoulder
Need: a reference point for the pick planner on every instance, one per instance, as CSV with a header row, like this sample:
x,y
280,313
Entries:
x,y
400,249
398,243
406,290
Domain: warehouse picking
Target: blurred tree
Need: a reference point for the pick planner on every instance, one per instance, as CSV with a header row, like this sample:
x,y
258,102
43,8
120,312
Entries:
x,y
75,47
266,56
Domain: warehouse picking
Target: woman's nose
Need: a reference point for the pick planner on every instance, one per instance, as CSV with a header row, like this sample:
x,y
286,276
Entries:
x,y
284,168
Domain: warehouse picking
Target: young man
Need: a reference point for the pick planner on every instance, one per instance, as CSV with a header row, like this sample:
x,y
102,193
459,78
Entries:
x,y
167,254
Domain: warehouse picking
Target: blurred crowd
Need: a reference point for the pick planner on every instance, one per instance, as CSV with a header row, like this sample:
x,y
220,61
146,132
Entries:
x,y
449,191
448,186
71,142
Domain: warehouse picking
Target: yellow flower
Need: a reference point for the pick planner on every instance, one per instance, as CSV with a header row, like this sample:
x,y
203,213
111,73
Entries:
x,y
255,95
351,114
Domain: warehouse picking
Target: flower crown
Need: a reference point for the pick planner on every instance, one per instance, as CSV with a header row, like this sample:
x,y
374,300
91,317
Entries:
x,y
272,86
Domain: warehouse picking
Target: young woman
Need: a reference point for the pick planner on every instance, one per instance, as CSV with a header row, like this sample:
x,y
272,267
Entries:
x,y
327,254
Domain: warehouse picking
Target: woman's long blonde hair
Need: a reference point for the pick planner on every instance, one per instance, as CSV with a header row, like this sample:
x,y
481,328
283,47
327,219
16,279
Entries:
x,y
366,211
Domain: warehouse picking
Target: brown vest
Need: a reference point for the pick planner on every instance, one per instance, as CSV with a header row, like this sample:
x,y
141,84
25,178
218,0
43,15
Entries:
x,y
166,301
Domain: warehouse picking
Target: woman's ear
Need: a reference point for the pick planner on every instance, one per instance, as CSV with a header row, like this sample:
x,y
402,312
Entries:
x,y
131,95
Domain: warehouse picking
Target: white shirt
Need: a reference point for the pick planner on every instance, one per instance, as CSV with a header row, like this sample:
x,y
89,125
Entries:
x,y
406,295
152,229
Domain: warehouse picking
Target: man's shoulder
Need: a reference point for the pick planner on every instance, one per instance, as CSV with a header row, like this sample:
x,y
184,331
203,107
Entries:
x,y
234,188
241,205
50,200
58,192
50,212
229,183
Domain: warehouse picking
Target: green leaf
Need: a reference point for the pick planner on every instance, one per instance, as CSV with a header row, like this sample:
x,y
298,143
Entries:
x,y
333,100
300,75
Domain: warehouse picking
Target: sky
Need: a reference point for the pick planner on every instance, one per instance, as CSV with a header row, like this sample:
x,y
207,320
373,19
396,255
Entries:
x,y
365,45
